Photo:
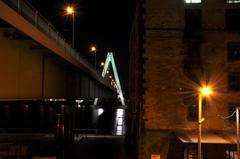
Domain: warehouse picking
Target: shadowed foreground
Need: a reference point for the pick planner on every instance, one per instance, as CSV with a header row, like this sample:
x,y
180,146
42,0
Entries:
x,y
97,148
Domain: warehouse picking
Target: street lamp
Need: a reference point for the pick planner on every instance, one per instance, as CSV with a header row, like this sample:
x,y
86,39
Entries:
x,y
203,91
71,11
102,64
237,127
94,50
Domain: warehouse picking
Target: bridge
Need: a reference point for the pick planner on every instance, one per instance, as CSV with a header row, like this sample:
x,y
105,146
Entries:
x,y
41,74
38,62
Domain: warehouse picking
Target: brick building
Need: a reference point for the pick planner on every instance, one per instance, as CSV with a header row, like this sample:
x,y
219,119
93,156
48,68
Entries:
x,y
175,47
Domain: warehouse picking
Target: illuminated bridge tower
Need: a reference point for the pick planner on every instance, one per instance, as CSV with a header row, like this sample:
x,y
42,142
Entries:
x,y
110,60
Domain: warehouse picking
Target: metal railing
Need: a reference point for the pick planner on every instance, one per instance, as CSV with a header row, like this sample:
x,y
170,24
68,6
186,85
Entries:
x,y
93,131
26,10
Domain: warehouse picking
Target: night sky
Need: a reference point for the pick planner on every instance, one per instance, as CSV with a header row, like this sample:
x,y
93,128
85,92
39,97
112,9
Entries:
x,y
106,23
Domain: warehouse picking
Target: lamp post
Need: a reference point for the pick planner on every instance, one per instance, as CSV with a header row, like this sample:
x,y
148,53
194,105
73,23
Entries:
x,y
204,91
71,11
237,127
94,50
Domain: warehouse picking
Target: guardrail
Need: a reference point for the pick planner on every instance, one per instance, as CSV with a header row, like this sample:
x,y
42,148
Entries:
x,y
26,10
93,131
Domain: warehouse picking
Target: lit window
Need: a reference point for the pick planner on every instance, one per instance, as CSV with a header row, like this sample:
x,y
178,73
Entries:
x,y
192,1
231,152
233,1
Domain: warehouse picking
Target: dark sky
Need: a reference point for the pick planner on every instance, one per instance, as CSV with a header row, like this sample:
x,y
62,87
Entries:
x,y
105,23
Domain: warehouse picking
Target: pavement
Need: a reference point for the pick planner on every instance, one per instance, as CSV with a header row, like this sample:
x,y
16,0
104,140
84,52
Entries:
x,y
98,147
43,146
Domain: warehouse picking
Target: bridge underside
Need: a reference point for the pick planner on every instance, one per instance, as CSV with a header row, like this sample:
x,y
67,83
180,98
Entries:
x,y
37,63
30,71
45,85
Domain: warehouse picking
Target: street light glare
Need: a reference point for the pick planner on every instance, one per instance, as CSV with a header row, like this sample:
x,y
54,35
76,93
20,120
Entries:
x,y
93,49
206,91
70,10
102,64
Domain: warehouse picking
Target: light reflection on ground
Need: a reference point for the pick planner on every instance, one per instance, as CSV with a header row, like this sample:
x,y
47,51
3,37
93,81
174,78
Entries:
x,y
119,128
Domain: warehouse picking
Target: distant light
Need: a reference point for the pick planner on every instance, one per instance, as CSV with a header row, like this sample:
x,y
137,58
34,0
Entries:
x,y
102,64
78,101
120,121
119,128
110,76
192,1
233,1
100,111
119,113
93,49
25,107
119,132
70,10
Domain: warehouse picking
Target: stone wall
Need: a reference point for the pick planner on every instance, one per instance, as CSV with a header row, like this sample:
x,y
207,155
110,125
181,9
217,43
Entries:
x,y
167,87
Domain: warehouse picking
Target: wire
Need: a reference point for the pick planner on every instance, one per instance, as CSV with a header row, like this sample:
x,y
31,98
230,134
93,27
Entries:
x,y
227,117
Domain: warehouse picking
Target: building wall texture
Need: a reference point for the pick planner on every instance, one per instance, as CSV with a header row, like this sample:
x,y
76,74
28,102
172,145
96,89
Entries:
x,y
162,88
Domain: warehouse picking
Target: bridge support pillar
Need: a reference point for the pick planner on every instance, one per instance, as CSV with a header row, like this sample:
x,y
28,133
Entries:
x,y
70,122
60,123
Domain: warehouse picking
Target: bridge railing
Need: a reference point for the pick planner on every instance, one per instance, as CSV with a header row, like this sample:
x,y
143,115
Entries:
x,y
26,10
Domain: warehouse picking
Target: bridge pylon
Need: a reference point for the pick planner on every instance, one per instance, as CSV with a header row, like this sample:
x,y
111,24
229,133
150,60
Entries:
x,y
110,60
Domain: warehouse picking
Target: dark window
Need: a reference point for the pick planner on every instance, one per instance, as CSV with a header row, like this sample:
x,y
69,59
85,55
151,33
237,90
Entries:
x,y
193,53
192,59
233,51
232,19
193,19
234,81
192,113
190,151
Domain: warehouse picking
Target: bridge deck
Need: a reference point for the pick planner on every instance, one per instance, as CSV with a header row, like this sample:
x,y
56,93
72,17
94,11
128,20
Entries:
x,y
38,28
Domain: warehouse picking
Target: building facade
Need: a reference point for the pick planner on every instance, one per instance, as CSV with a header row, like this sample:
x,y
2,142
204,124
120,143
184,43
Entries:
x,y
177,46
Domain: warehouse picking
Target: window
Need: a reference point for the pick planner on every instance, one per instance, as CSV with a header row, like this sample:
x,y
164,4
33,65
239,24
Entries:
x,y
192,1
190,151
234,81
192,112
193,20
233,1
233,51
231,152
232,19
192,59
